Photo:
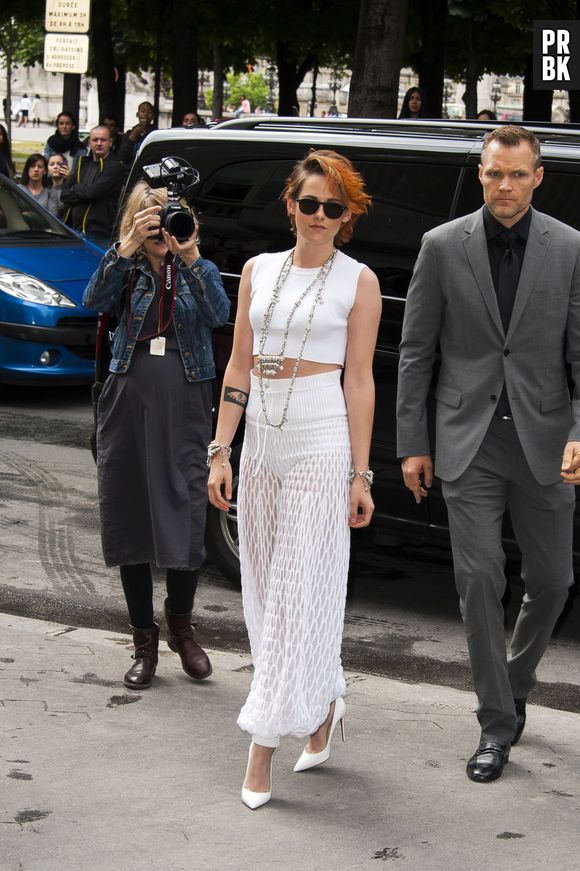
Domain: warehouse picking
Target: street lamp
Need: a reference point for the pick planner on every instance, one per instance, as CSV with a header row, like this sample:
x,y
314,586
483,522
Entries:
x,y
495,94
203,80
334,85
271,81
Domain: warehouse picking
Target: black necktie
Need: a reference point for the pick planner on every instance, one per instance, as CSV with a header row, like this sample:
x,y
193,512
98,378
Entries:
x,y
507,284
507,278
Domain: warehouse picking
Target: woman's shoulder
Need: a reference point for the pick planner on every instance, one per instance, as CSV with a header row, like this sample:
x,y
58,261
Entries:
x,y
347,263
269,258
262,264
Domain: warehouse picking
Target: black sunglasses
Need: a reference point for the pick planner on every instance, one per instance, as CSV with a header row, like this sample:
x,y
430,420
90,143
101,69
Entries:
x,y
332,209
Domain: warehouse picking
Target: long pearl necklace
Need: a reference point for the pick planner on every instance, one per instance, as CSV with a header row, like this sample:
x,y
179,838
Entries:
x,y
271,364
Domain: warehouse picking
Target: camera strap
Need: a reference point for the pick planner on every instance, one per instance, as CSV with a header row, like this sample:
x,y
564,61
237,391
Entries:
x,y
166,300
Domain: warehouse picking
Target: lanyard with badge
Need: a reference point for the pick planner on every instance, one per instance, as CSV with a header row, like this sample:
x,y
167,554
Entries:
x,y
165,309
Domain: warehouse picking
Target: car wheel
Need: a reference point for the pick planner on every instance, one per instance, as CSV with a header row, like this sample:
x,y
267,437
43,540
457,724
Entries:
x,y
221,532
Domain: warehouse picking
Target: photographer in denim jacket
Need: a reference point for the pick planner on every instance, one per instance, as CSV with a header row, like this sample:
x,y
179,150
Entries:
x,y
154,422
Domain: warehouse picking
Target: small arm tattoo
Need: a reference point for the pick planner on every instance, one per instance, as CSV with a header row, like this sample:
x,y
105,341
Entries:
x,y
235,395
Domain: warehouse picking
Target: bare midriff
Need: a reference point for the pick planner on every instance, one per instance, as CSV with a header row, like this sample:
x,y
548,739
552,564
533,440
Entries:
x,y
306,367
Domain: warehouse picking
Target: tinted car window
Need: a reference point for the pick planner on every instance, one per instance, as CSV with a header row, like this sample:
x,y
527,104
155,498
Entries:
x,y
559,196
241,212
408,200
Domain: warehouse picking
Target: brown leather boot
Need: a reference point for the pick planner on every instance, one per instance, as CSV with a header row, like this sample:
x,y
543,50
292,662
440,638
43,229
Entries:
x,y
141,673
180,639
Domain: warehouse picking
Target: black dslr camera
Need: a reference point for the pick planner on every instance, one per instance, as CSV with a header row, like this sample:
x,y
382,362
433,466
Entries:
x,y
179,177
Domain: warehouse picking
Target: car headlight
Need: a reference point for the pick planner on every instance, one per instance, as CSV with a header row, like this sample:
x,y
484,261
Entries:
x,y
30,289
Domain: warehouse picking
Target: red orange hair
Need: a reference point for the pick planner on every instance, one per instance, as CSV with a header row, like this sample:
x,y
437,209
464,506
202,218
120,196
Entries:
x,y
341,173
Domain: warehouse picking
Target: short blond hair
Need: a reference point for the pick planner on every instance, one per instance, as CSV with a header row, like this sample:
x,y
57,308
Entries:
x,y
511,135
142,197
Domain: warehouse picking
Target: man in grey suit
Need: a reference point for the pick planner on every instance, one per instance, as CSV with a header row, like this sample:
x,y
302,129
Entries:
x,y
498,292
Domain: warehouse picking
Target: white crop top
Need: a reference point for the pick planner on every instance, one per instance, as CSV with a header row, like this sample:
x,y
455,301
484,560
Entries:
x,y
326,342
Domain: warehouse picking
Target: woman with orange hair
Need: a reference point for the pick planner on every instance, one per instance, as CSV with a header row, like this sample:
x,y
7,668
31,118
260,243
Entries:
x,y
305,318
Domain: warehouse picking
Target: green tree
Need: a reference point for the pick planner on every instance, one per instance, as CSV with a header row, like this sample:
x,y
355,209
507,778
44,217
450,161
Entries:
x,y
252,85
21,38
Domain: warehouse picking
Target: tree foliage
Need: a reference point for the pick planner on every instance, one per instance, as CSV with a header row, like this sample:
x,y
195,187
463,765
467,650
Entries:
x,y
252,85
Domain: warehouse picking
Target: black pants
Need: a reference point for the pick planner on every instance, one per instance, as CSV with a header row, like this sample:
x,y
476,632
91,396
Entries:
x,y
138,589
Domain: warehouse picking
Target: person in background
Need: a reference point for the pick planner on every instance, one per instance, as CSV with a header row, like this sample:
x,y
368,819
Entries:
x,y
153,422
35,111
6,164
58,171
304,479
23,110
413,104
91,191
117,136
192,119
133,140
35,181
486,115
66,139
245,105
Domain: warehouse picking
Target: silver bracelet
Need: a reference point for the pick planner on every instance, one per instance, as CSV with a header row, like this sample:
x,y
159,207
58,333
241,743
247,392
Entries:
x,y
214,448
367,476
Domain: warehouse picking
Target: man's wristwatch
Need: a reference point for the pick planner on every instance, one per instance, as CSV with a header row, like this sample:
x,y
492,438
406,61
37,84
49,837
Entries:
x,y
367,475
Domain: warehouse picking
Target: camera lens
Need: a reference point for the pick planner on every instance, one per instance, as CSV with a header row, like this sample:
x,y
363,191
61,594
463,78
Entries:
x,y
180,224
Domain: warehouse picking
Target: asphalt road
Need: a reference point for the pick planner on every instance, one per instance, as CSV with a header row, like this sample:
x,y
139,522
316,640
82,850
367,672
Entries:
x,y
402,618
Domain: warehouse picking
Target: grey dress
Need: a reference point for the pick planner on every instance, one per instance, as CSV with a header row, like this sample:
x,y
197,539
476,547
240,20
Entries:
x,y
152,434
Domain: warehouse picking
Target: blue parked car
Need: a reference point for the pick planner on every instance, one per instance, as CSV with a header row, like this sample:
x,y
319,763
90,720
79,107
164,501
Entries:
x,y
46,334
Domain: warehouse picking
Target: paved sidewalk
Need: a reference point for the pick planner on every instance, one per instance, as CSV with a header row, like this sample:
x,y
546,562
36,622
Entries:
x,y
96,778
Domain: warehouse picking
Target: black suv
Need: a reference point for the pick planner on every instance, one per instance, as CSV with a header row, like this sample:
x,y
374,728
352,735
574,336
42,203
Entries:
x,y
419,174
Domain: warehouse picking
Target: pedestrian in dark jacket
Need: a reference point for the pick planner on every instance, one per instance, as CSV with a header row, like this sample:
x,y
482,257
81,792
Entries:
x,y
154,422
65,140
134,138
91,192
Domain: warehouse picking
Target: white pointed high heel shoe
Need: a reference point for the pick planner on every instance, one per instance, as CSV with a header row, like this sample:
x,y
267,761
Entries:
x,y
252,799
311,760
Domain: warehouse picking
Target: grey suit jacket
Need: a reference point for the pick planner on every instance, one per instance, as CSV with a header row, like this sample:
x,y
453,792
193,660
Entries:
x,y
452,304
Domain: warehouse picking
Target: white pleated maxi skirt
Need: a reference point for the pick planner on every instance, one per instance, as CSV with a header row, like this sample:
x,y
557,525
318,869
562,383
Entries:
x,y
293,505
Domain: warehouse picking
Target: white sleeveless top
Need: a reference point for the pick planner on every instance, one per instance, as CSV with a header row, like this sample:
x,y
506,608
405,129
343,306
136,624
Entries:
x,y
326,342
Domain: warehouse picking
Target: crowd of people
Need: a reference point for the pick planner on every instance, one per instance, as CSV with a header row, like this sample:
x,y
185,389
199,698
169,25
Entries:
x,y
80,180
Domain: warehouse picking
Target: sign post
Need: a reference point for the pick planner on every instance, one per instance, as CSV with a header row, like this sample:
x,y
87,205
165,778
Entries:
x,y
66,46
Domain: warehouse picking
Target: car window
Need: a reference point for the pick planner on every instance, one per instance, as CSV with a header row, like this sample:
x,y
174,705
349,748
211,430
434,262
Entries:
x,y
408,200
21,216
241,212
559,196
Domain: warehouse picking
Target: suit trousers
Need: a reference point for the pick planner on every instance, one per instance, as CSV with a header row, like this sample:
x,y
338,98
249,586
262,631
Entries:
x,y
499,477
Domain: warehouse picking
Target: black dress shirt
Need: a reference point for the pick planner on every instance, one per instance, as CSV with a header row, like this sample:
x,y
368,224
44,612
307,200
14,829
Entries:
x,y
495,246
496,249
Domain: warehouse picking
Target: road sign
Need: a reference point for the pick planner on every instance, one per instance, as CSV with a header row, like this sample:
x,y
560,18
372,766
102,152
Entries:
x,y
66,52
67,16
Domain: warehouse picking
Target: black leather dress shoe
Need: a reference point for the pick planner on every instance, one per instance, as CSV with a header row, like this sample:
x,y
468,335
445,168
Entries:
x,y
520,719
488,761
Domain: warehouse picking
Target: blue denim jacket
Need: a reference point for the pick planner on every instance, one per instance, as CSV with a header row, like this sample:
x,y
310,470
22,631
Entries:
x,y
201,305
